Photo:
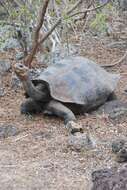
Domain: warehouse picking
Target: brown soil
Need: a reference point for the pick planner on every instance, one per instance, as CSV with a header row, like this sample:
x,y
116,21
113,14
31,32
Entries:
x,y
29,162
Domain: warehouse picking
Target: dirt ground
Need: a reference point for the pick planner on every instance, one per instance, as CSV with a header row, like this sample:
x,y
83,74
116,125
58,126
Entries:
x,y
38,158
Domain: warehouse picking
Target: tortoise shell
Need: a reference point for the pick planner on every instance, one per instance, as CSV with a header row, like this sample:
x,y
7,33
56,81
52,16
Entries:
x,y
79,80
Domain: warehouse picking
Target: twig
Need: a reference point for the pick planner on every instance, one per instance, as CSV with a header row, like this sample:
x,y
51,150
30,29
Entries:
x,y
118,62
74,7
21,137
58,22
50,31
84,16
89,10
37,42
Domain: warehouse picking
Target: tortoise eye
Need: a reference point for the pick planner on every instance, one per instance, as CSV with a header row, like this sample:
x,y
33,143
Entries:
x,y
21,66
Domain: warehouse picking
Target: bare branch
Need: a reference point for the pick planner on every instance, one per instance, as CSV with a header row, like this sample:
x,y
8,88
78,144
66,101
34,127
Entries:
x,y
89,10
50,31
36,41
84,16
36,34
41,20
58,22
74,7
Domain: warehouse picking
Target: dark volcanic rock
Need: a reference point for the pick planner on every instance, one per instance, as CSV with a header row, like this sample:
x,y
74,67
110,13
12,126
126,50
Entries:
x,y
110,179
119,147
115,109
7,130
121,156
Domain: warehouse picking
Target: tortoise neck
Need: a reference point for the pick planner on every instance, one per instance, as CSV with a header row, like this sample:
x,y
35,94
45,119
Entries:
x,y
34,92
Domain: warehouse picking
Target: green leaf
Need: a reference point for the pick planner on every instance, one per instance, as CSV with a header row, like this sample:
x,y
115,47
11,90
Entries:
x,y
58,2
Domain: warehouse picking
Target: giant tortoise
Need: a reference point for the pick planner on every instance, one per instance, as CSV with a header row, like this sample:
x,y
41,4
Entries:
x,y
73,86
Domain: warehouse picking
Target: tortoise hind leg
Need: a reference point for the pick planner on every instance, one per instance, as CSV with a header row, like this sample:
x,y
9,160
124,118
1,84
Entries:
x,y
60,110
30,107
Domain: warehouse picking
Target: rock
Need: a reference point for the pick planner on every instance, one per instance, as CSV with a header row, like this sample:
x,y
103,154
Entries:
x,y
11,43
5,66
2,93
120,4
80,142
9,40
123,5
110,179
114,109
19,55
121,156
119,147
4,33
8,130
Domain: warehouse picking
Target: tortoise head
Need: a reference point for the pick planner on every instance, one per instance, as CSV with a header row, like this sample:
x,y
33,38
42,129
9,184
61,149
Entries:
x,y
21,71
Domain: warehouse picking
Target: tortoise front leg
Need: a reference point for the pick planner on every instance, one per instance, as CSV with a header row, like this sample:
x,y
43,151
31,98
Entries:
x,y
60,110
29,106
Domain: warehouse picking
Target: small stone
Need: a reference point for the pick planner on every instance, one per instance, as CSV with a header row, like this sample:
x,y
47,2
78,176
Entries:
x,y
4,67
80,142
2,93
8,130
117,145
19,56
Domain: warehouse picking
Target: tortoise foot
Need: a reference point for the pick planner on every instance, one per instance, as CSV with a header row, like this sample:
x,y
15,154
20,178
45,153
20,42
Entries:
x,y
73,127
